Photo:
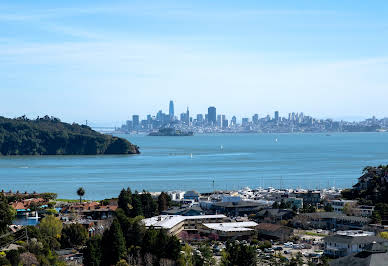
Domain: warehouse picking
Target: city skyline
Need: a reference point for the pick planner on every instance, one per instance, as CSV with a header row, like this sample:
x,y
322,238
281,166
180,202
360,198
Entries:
x,y
102,61
273,114
216,122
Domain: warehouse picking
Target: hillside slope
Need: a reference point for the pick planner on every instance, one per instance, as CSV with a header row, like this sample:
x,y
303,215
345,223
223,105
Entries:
x,y
50,136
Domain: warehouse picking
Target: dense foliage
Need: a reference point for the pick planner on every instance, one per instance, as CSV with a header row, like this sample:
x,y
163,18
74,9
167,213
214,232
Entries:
x,y
73,235
50,136
40,248
142,204
237,254
372,186
6,214
19,197
372,189
128,239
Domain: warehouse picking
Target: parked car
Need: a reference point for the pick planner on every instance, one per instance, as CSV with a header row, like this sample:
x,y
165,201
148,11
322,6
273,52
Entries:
x,y
269,250
278,248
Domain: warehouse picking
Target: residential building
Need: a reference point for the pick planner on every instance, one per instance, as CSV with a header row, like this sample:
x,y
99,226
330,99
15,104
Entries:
x,y
232,230
233,208
363,210
274,215
295,202
373,254
274,231
184,211
175,224
346,243
330,220
339,205
191,195
312,198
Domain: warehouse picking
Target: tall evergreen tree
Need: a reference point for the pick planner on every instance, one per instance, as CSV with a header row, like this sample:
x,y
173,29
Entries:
x,y
114,247
137,207
125,201
6,214
164,201
237,254
93,252
149,205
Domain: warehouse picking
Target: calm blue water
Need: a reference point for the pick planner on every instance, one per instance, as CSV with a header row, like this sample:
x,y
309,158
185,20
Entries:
x,y
295,160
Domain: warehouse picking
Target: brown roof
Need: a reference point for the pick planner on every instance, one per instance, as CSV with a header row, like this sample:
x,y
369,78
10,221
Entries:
x,y
18,205
271,227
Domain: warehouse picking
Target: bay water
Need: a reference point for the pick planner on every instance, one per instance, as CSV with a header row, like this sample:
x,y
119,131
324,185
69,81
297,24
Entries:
x,y
232,161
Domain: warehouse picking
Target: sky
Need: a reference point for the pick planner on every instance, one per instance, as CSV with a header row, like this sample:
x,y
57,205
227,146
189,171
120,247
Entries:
x,y
104,61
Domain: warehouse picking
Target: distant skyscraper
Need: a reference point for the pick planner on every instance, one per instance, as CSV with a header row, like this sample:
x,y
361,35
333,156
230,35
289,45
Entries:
x,y
219,121
255,119
183,117
212,115
135,121
199,118
224,121
245,122
276,115
188,116
234,120
171,110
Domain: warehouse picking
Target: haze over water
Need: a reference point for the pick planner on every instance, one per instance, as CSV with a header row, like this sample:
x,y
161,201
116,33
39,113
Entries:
x,y
184,163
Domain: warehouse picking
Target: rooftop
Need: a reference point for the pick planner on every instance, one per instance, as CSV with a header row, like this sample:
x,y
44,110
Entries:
x,y
354,240
231,227
336,215
169,221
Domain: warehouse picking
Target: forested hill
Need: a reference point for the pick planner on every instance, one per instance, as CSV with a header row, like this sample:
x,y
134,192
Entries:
x,y
50,136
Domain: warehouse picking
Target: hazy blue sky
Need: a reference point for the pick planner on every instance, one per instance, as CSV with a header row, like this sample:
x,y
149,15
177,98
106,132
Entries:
x,y
106,60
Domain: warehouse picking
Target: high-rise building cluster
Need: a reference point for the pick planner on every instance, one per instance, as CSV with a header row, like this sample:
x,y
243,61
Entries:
x,y
213,122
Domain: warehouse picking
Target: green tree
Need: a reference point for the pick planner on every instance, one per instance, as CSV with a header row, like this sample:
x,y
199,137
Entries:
x,y
384,235
125,201
93,252
4,261
14,257
51,226
137,207
207,257
150,242
297,260
80,193
328,208
6,214
186,257
114,247
164,201
122,263
73,235
237,254
148,204
173,248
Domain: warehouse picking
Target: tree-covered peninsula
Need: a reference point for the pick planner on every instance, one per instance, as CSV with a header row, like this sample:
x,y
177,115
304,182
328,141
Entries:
x,y
49,136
